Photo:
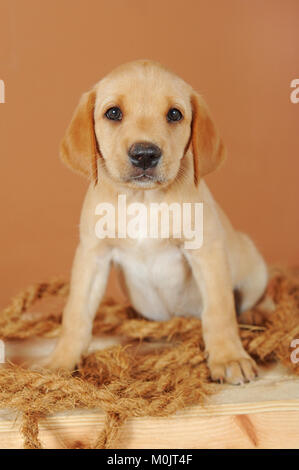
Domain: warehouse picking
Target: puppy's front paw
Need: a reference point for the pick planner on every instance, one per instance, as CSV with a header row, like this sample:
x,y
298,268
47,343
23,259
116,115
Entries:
x,y
234,370
59,359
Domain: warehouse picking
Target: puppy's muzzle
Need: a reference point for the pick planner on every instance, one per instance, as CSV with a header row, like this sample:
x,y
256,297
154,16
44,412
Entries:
x,y
144,155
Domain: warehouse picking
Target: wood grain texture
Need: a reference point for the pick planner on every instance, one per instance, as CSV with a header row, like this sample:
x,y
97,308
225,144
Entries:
x,y
263,414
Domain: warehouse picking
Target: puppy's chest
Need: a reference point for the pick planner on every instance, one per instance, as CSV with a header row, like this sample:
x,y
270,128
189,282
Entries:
x,y
147,261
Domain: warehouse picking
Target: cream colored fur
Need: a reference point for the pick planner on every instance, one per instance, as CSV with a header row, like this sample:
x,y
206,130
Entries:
x,y
161,277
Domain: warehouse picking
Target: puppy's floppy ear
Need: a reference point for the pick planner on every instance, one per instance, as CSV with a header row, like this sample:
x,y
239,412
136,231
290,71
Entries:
x,y
79,148
207,147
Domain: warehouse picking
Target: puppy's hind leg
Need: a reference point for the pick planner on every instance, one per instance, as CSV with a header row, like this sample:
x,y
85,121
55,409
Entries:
x,y
252,283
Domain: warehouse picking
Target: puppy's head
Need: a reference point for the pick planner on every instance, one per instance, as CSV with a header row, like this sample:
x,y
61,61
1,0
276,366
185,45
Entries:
x,y
137,125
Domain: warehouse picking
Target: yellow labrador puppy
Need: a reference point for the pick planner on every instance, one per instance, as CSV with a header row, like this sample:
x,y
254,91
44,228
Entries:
x,y
143,133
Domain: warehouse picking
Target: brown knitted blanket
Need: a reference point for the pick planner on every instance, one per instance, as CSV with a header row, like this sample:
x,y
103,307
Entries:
x,y
128,380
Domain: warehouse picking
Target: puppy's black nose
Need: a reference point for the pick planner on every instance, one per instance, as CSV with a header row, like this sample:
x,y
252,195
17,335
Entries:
x,y
144,155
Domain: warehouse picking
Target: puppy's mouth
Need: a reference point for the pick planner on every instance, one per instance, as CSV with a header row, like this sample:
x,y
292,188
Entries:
x,y
144,177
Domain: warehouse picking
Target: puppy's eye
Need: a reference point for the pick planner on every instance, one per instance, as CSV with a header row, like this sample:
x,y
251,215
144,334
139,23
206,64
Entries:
x,y
114,114
174,115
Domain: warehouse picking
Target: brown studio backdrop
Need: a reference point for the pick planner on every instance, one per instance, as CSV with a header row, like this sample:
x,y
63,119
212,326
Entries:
x,y
241,55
